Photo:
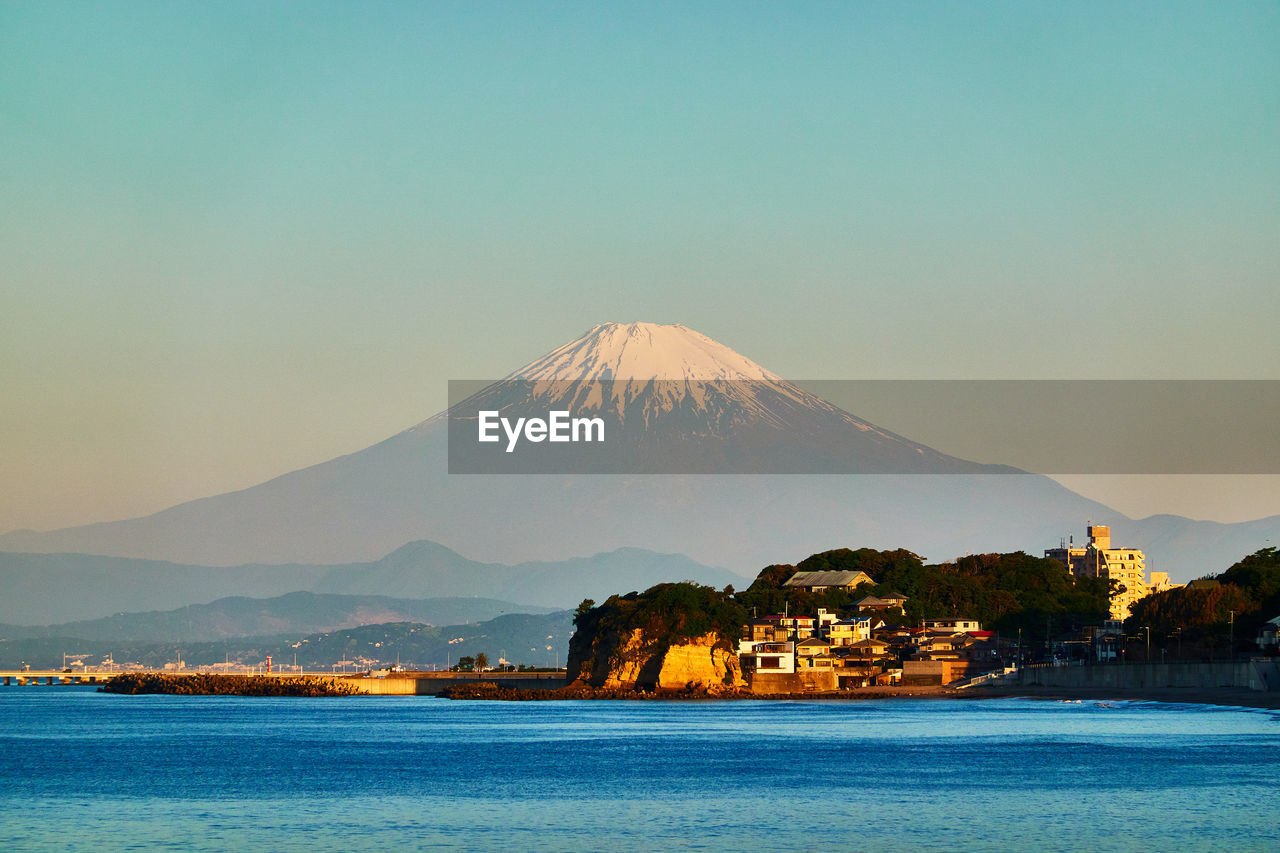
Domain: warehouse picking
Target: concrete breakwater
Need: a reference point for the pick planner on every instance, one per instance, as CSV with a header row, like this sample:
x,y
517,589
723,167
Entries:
x,y
212,684
292,684
433,683
1241,675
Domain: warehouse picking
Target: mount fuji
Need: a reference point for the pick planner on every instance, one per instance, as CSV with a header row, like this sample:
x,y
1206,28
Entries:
x,y
678,402
673,381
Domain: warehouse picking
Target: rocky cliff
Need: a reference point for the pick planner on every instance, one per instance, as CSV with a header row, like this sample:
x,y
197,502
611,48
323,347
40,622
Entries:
x,y
637,660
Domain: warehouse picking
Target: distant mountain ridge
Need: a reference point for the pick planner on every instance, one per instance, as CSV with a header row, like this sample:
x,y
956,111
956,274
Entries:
x,y
46,589
294,613
362,506
534,639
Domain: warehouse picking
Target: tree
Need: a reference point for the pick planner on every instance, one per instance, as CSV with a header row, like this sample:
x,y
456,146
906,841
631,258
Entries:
x,y
466,663
481,662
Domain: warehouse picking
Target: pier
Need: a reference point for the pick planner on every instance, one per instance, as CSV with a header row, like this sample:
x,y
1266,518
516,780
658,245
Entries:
x,y
31,677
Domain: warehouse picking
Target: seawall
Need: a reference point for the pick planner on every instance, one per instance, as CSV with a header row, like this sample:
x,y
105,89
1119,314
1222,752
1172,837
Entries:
x,y
1261,675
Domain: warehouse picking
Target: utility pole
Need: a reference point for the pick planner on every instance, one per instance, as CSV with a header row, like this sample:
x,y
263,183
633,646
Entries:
x,y
1231,641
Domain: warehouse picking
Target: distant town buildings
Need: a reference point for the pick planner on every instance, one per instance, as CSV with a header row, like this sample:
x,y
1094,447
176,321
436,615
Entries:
x,y
787,653
1098,559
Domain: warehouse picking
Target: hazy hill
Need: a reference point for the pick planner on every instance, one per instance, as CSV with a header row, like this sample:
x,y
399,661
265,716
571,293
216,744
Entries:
x,y
294,613
523,637
47,589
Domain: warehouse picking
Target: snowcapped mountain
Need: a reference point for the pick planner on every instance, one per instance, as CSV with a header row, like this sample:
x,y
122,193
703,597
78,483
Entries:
x,y
642,351
675,401
667,383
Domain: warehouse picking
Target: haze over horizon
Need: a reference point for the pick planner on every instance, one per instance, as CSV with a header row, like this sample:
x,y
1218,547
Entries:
x,y
243,240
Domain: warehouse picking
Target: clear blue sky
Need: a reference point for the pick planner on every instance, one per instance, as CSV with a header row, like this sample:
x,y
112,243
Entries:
x,y
240,238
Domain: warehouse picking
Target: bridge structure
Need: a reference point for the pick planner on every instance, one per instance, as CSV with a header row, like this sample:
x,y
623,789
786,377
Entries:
x,y
30,677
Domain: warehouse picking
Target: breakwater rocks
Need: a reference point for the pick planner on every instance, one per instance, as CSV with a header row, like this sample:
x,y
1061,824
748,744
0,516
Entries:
x,y
210,684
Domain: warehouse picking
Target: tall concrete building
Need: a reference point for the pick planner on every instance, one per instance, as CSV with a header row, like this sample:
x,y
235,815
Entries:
x,y
1098,559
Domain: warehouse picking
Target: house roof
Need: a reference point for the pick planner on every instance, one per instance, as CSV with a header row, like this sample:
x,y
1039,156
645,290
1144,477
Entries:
x,y
827,579
872,601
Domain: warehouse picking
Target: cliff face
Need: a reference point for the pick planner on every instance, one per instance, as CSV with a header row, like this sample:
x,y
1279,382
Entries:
x,y
701,664
634,660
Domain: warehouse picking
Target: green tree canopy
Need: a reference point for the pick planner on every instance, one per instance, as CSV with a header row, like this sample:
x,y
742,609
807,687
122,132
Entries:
x,y
1248,594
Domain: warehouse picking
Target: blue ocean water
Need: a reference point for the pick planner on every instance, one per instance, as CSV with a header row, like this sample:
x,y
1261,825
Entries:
x,y
80,770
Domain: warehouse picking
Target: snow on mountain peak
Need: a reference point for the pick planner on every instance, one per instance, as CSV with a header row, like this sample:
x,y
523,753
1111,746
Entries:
x,y
643,351
654,372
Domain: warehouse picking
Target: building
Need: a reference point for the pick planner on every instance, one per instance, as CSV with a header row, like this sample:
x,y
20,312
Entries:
x,y
1204,583
767,629
822,581
780,628
776,658
951,626
890,603
846,632
1098,559
1267,634
868,653
1159,582
813,654
799,627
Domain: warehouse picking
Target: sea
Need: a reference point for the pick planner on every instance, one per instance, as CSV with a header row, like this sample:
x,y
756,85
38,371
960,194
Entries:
x,y
81,770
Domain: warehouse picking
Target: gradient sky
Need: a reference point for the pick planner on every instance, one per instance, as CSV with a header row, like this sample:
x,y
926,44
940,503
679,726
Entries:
x,y
240,238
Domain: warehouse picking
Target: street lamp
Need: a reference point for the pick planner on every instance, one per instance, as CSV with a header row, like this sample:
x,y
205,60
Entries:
x,y
1148,630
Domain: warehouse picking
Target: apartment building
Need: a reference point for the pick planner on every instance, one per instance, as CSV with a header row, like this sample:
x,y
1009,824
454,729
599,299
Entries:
x,y
1100,559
